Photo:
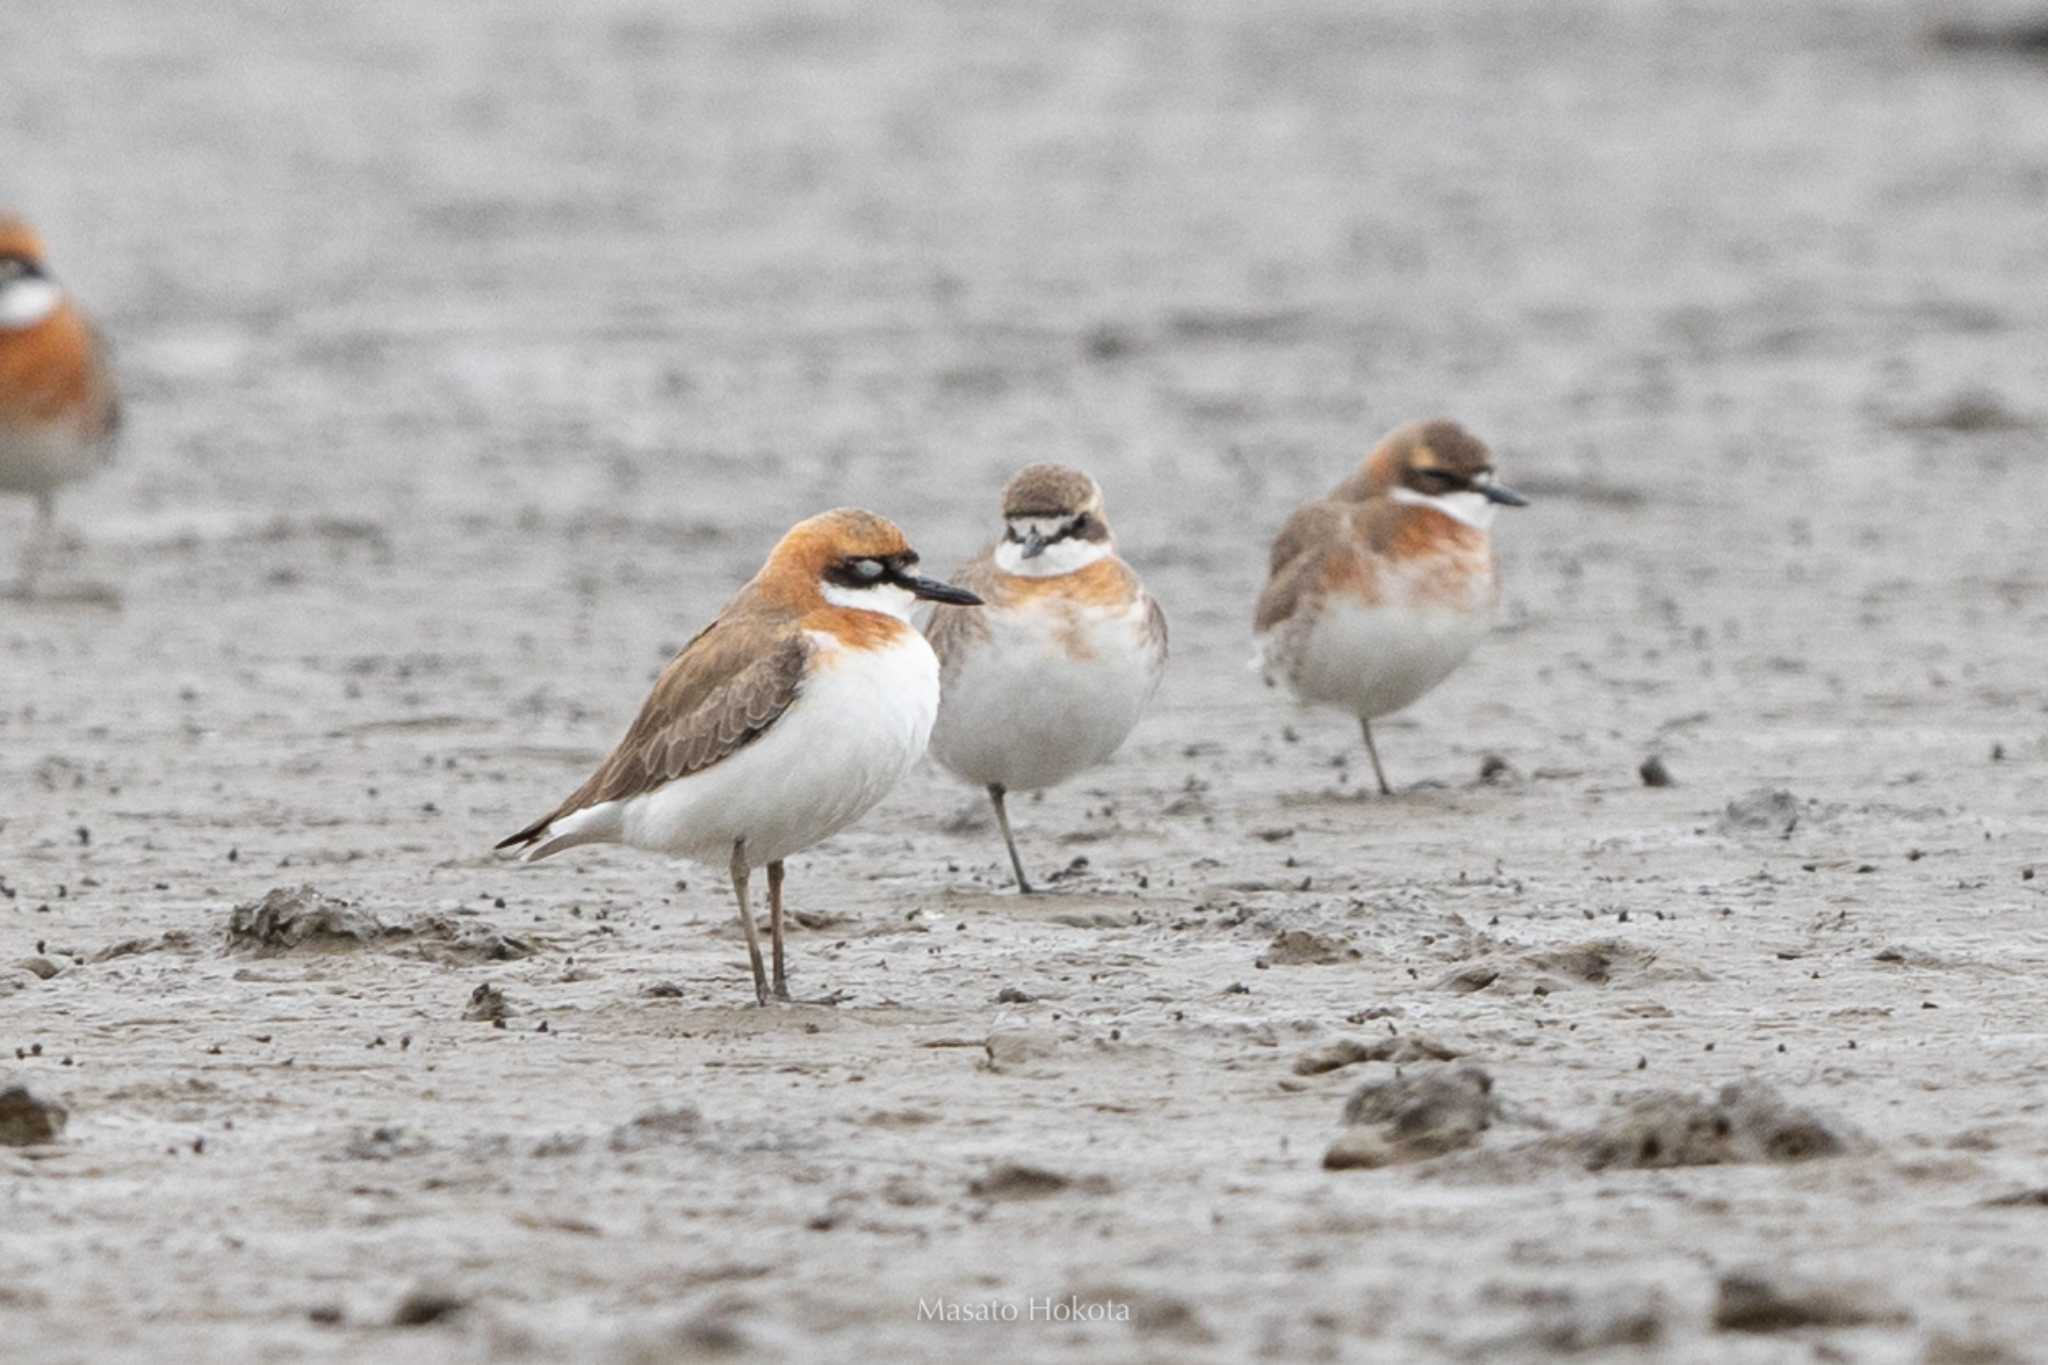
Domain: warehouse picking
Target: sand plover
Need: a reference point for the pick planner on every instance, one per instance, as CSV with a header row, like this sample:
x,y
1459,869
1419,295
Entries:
x,y
1050,676
1379,590
782,722
58,410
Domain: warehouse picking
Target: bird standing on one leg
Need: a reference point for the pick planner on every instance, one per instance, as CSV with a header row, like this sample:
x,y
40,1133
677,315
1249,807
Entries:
x,y
1050,676
58,410
782,722
1378,591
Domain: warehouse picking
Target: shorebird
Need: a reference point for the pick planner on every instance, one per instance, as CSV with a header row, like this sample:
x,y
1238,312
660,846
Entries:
x,y
58,410
779,724
1378,591
1050,676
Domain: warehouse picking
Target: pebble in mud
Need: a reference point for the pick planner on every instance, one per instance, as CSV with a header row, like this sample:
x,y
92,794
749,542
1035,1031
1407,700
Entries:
x,y
26,1121
1654,773
487,1005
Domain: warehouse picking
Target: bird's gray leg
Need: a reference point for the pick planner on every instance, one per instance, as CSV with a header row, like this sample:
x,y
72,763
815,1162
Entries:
x,y
775,926
739,890
1373,749
995,794
38,548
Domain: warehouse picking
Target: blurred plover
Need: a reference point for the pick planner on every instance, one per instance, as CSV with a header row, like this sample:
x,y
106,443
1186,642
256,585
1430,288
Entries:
x,y
1051,675
58,410
1378,591
779,724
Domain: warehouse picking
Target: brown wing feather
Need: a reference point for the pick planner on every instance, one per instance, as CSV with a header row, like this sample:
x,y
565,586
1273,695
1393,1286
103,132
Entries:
x,y
1296,560
1313,524
715,697
950,629
1155,625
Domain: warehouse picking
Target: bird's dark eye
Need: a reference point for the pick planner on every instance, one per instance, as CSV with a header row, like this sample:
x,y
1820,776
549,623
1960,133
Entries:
x,y
1442,478
1079,525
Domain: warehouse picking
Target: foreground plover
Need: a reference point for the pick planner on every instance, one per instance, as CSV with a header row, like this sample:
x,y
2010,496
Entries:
x,y
781,723
1050,676
58,411
1379,590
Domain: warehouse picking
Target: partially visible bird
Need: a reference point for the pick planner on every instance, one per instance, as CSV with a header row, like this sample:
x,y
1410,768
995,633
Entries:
x,y
779,724
1050,676
58,410
1378,591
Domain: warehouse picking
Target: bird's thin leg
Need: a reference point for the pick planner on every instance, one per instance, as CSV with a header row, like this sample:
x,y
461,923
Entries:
x,y
1373,749
38,548
995,794
775,926
739,890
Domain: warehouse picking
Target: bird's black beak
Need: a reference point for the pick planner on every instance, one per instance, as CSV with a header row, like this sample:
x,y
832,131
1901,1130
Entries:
x,y
1034,544
1502,494
931,590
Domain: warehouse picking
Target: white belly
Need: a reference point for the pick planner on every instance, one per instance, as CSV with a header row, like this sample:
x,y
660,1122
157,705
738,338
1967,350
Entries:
x,y
36,459
1372,661
860,723
1049,693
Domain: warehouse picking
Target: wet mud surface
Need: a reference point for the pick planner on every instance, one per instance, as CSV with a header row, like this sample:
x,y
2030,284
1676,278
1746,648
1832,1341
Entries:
x,y
473,357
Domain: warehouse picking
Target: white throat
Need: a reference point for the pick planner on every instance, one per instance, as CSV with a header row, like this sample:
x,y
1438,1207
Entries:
x,y
1473,509
890,599
27,302
1057,558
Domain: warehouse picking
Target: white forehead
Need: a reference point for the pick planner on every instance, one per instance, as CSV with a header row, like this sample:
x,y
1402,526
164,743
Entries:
x,y
27,301
891,599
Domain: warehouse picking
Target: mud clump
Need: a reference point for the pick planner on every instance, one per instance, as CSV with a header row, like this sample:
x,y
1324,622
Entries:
x,y
176,941
1401,1050
388,1142
288,920
1305,948
487,1005
1017,1180
305,919
1765,1301
1572,1324
657,1128
1598,962
423,1306
26,1121
1766,810
1414,1118
1748,1122
1021,1049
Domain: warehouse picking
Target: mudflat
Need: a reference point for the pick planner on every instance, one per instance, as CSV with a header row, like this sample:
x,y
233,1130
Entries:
x,y
474,356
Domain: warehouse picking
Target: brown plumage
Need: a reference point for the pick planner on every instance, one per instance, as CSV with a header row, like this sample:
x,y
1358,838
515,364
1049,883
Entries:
x,y
1049,490
1048,677
1377,590
740,673
59,411
720,692
816,657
